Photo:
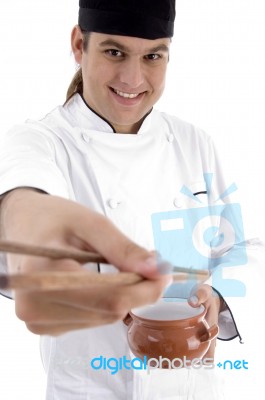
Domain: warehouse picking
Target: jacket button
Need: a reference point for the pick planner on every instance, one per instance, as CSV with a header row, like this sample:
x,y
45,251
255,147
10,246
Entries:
x,y
178,203
170,138
113,203
86,138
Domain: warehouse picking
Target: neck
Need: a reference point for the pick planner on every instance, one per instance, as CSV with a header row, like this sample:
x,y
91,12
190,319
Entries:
x,y
130,129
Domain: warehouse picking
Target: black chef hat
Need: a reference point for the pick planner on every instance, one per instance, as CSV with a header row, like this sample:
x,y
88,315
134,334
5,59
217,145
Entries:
x,y
148,19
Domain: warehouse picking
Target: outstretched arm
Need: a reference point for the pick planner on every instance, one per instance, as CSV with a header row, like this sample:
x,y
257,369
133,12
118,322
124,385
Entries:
x,y
37,218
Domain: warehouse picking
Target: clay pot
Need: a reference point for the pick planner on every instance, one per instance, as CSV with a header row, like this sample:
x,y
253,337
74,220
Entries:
x,y
170,329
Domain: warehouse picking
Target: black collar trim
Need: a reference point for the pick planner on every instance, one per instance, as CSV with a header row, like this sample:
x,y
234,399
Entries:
x,y
91,109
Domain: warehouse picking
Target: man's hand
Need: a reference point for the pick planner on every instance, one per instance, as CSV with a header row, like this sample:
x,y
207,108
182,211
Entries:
x,y
36,218
204,294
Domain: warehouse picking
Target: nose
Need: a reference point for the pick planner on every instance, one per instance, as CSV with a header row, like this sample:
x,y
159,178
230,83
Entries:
x,y
132,73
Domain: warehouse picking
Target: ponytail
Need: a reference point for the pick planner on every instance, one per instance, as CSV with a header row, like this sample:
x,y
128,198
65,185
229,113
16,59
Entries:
x,y
76,86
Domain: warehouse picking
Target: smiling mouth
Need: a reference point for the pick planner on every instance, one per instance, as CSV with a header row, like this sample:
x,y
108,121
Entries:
x,y
126,95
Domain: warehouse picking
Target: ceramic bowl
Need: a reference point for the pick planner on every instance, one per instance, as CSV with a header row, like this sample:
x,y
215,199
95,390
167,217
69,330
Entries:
x,y
170,329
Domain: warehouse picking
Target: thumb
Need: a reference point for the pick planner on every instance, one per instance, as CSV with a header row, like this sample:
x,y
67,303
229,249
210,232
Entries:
x,y
200,294
105,238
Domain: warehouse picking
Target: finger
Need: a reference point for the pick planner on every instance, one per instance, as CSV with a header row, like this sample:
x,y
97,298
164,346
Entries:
x,y
95,296
78,306
211,351
145,292
72,306
200,294
83,228
120,251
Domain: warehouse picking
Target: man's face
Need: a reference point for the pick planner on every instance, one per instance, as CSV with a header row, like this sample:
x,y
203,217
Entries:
x,y
123,77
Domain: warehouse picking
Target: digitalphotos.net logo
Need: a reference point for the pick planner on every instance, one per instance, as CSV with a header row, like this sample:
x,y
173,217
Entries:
x,y
209,237
115,365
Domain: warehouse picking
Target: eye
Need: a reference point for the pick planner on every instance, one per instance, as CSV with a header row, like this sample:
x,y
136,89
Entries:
x,y
114,53
153,57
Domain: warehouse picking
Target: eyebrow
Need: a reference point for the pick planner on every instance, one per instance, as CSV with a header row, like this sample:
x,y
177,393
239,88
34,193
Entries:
x,y
113,43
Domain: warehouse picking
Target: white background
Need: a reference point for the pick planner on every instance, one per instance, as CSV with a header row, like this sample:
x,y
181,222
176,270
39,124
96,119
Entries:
x,y
216,80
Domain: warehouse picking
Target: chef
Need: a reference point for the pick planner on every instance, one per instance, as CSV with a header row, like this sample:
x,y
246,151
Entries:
x,y
90,175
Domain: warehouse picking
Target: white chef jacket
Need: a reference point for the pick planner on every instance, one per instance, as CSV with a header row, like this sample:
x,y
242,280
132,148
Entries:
x,y
74,153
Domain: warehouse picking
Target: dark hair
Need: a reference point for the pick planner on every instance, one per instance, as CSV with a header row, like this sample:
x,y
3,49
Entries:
x,y
76,85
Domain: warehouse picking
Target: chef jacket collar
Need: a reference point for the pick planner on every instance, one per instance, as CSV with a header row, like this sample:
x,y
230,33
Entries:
x,y
92,121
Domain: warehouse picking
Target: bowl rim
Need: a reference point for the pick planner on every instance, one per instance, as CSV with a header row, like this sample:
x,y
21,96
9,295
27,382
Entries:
x,y
165,322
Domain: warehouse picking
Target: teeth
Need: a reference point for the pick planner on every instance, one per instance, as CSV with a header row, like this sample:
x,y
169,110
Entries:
x,y
126,95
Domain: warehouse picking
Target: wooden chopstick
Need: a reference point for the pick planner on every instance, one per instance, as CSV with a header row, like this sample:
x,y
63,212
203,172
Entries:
x,y
56,280
64,280
56,254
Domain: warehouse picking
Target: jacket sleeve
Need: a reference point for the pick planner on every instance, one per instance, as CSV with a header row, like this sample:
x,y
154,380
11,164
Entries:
x,y
27,159
228,259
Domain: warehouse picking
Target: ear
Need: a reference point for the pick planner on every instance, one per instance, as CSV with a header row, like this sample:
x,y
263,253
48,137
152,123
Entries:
x,y
77,43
